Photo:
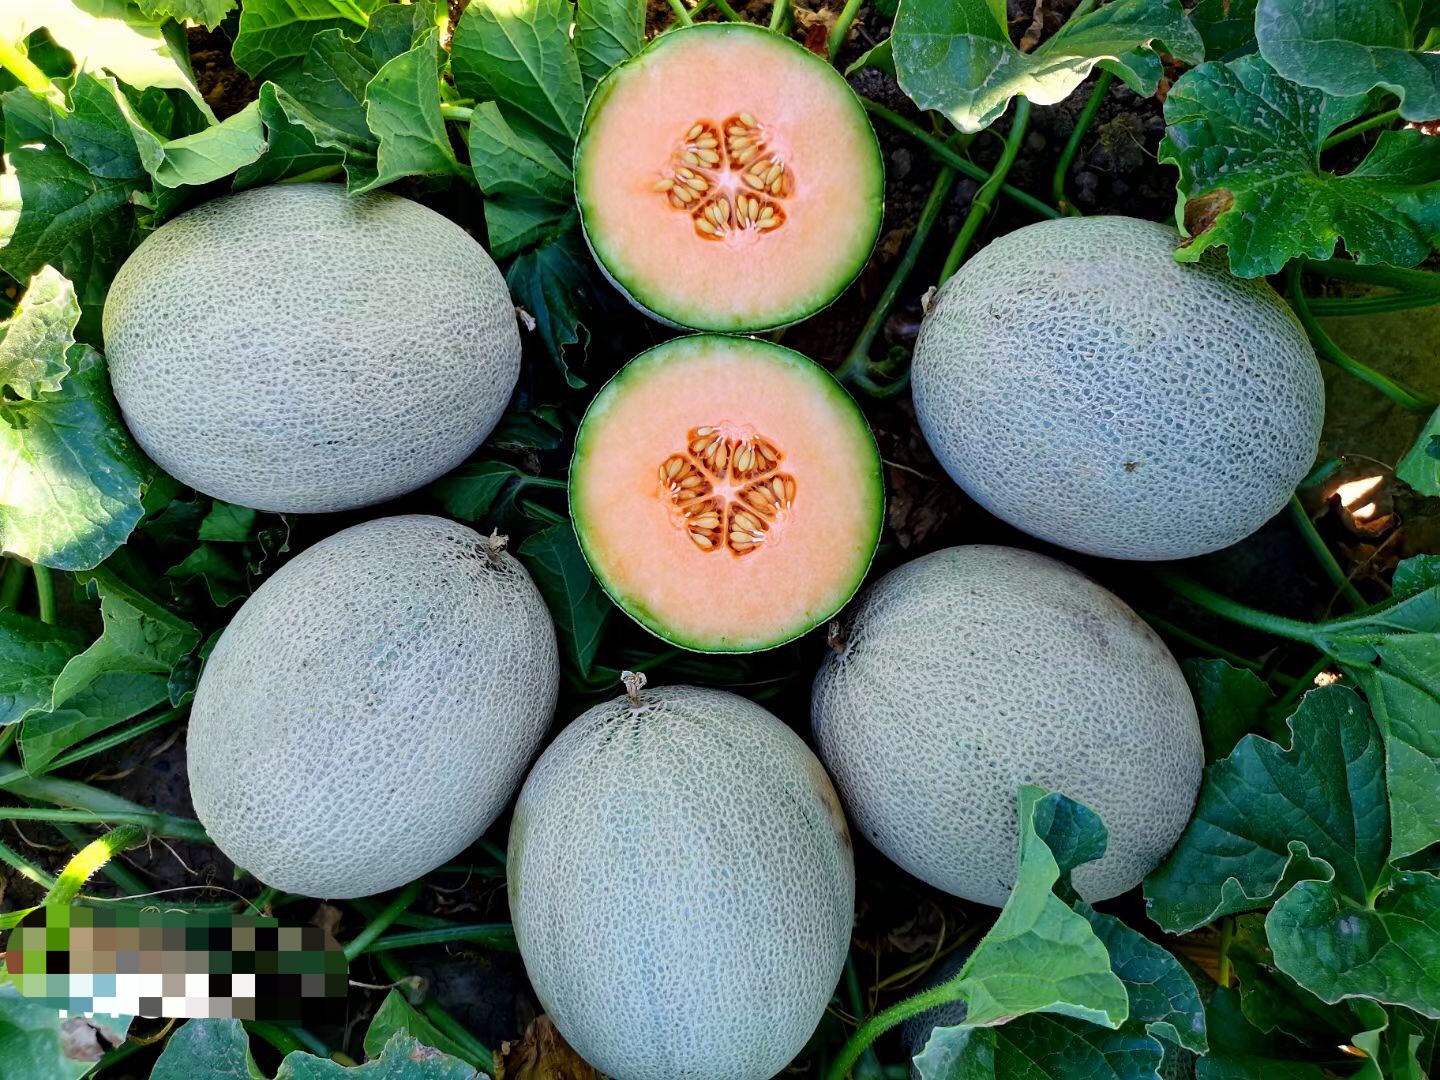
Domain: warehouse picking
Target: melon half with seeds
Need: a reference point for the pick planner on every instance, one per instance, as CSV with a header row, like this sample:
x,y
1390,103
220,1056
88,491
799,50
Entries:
x,y
726,492
728,179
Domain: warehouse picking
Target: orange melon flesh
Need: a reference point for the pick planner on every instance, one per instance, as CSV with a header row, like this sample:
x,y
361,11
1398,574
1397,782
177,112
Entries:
x,y
719,566
719,101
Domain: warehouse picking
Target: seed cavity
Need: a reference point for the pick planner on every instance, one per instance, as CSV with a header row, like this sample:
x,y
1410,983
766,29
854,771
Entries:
x,y
725,489
729,177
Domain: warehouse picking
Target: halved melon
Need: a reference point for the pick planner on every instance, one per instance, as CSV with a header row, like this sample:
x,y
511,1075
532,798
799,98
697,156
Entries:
x,y
727,493
728,179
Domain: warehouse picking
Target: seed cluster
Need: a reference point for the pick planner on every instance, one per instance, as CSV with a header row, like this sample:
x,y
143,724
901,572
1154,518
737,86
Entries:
x,y
688,482
727,178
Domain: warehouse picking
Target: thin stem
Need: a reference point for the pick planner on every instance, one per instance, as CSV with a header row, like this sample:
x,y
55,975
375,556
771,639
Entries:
x,y
1072,145
1345,306
946,156
12,584
726,10
499,936
1396,391
1324,556
12,858
882,1022
459,113
1391,277
1378,120
1236,612
842,27
45,593
984,198
680,13
89,859
1180,633
1227,935
779,12
175,828
857,361
472,1050
14,60
404,900
126,879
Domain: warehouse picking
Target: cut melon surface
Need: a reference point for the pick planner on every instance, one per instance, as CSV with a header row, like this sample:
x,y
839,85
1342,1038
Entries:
x,y
728,179
726,492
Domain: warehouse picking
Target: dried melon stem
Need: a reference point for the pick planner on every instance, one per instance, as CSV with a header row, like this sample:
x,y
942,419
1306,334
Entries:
x,y
634,682
726,488
729,177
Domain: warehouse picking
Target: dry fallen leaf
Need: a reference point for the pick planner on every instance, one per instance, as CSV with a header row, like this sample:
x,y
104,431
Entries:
x,y
541,1054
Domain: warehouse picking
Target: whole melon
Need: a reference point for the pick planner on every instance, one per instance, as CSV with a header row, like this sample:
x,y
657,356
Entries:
x,y
292,348
968,672
1081,384
682,886
371,709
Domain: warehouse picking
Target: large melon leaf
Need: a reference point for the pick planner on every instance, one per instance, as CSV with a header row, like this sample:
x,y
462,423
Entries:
x,y
275,35
956,55
32,654
36,337
1347,47
606,32
1247,143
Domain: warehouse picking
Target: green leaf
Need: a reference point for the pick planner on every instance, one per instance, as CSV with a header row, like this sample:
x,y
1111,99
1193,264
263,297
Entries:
x,y
65,199
1399,1044
517,225
275,35
576,601
207,155
32,1039
1238,1051
956,55
1387,949
519,52
106,35
1226,26
110,699
227,522
34,340
1042,956
1247,144
32,654
470,491
70,478
606,32
1393,654
224,580
291,152
1163,1000
402,1058
516,162
1272,1001
1420,467
1415,575
402,108
1231,701
554,283
397,1016
214,1049
1347,47
137,636
208,13
1268,817
1037,1047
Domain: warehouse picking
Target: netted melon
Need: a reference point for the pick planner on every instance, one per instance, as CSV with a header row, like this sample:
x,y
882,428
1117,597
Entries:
x,y
1082,385
968,672
726,492
372,707
295,349
682,887
728,179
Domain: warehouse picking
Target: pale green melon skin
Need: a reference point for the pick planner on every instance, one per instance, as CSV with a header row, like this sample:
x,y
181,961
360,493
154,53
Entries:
x,y
682,887
1085,387
295,349
372,708
970,671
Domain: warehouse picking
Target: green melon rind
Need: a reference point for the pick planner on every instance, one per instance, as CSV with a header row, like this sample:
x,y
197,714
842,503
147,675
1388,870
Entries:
x,y
872,481
708,320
